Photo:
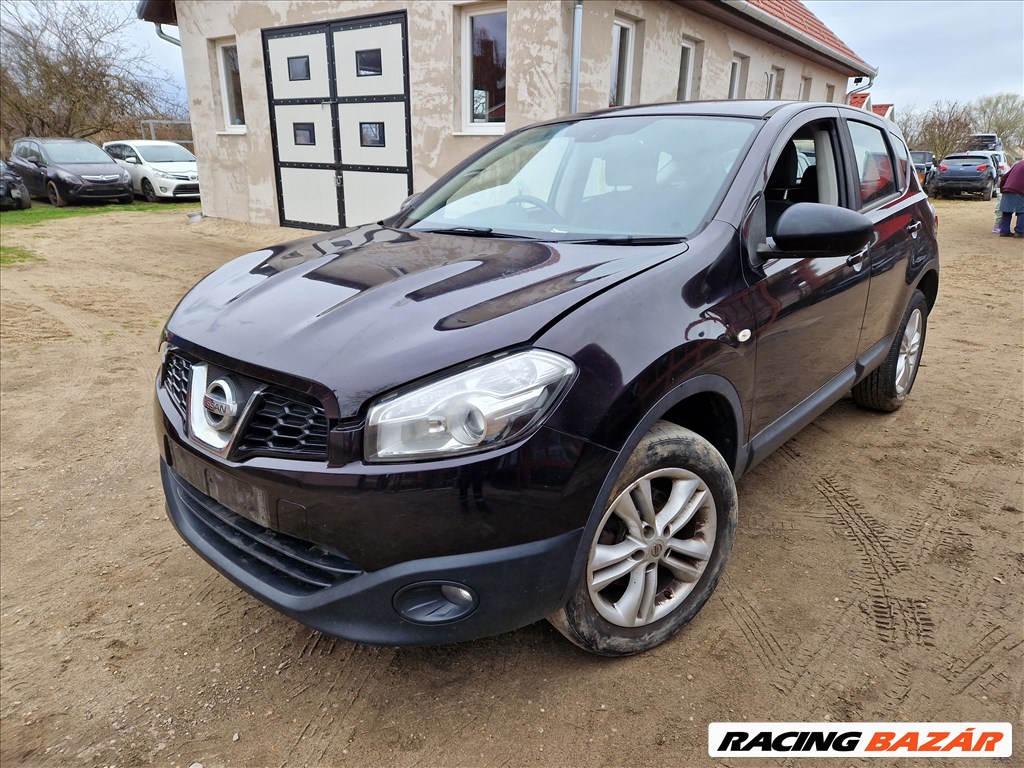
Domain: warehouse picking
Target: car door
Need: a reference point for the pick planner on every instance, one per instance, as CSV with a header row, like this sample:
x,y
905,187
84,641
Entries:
x,y
132,163
808,311
34,169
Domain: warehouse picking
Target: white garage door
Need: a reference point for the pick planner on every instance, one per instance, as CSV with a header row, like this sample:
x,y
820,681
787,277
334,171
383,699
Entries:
x,y
339,107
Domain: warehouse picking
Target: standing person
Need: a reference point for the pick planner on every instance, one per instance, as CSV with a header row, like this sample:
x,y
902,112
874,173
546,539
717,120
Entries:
x,y
1012,200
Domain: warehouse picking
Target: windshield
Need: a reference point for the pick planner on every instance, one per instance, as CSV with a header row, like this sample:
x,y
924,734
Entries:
x,y
640,176
75,152
166,153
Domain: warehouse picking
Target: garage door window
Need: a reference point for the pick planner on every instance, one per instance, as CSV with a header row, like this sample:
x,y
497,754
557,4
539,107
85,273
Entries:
x,y
298,67
368,63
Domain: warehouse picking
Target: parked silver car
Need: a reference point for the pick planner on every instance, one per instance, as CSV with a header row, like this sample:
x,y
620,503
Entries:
x,y
159,169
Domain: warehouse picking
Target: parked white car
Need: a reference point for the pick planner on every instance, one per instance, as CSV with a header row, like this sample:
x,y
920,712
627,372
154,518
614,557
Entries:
x,y
159,169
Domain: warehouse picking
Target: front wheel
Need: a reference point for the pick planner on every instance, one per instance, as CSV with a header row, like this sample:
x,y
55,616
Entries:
x,y
658,550
25,201
148,192
887,387
54,195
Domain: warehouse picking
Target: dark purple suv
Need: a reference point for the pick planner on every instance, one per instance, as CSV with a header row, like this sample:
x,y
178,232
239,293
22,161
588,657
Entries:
x,y
531,392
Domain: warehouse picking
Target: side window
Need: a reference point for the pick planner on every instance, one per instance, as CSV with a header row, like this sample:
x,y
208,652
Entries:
x,y
874,163
115,151
129,152
34,151
19,149
806,171
902,161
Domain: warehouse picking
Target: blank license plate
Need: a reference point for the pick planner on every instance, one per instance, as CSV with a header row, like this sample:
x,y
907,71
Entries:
x,y
240,497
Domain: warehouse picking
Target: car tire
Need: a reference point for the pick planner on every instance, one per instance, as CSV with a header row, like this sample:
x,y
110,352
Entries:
x,y
886,388
54,196
987,194
650,567
148,192
25,201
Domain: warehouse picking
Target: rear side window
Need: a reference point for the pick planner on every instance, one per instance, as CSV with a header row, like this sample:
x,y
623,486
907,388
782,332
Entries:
x,y
902,160
115,151
874,163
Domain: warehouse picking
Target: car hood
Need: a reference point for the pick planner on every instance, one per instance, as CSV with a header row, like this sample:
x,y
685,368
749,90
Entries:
x,y
365,310
182,167
88,169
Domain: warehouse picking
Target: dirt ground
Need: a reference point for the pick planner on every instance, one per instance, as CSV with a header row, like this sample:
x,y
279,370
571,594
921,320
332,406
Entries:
x,y
877,573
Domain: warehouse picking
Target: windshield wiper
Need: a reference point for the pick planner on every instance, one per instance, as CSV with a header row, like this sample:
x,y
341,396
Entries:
x,y
629,240
471,232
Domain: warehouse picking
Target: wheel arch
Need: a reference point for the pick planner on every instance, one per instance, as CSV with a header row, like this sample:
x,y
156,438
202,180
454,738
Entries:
x,y
928,284
708,405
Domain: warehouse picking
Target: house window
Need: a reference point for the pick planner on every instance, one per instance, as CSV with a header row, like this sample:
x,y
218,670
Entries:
x,y
368,63
298,67
686,60
774,89
484,42
738,78
304,134
371,134
231,87
805,89
622,63
830,93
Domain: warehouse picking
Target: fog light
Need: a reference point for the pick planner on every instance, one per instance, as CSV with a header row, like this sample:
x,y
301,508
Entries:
x,y
163,189
435,602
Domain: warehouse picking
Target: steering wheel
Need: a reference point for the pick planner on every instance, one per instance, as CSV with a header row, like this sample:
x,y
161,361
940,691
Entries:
x,y
536,202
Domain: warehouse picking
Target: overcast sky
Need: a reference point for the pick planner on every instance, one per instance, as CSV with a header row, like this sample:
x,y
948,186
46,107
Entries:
x,y
924,51
930,51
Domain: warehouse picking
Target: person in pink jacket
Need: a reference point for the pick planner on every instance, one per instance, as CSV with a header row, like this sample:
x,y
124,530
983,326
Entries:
x,y
1012,200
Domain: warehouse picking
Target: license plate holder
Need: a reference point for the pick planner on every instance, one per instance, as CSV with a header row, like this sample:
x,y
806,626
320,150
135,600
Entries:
x,y
239,496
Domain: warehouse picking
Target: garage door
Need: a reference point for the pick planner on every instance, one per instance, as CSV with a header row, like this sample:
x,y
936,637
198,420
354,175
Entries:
x,y
339,109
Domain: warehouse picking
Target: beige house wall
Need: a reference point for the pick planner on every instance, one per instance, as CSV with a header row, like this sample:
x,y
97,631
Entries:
x,y
238,168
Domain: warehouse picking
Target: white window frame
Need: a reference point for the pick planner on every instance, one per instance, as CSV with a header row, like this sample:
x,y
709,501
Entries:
x,y
625,78
685,89
229,42
830,93
737,88
776,82
468,126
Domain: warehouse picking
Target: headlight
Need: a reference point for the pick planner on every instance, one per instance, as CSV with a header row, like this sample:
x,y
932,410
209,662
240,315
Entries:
x,y
162,175
70,178
478,409
125,177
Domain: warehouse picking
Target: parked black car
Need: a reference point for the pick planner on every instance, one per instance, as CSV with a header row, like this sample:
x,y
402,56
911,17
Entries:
x,y
530,393
971,172
69,170
13,192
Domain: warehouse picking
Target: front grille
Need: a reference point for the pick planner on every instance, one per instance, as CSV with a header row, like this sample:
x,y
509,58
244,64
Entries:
x,y
186,189
282,424
284,562
176,376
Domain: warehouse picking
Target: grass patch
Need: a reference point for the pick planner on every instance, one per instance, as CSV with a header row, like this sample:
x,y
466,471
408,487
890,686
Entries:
x,y
12,254
41,212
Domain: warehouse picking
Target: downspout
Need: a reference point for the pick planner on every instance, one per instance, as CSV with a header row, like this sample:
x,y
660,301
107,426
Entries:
x,y
871,81
574,73
164,36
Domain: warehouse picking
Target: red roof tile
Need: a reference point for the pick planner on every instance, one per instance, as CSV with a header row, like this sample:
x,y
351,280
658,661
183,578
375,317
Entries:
x,y
795,14
881,109
858,100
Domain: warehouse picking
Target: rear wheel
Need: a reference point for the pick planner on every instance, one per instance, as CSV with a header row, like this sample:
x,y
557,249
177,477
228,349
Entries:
x,y
987,194
659,548
54,196
886,387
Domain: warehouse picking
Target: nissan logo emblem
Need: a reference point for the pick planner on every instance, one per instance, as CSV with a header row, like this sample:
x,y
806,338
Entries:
x,y
220,406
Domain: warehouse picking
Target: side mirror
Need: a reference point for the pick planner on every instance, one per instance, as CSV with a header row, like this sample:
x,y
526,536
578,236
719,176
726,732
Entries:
x,y
132,160
34,160
813,229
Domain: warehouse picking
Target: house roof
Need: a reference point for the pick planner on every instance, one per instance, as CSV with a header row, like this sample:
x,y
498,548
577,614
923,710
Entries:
x,y
796,14
881,109
859,100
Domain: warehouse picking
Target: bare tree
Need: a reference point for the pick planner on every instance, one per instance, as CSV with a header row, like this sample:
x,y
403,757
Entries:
x,y
1002,114
910,119
945,126
66,70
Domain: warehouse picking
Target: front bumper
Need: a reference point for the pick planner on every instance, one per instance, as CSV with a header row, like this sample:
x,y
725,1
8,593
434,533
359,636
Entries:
x,y
176,188
97,191
513,586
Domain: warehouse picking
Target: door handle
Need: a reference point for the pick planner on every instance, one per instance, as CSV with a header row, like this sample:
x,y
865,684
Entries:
x,y
912,228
